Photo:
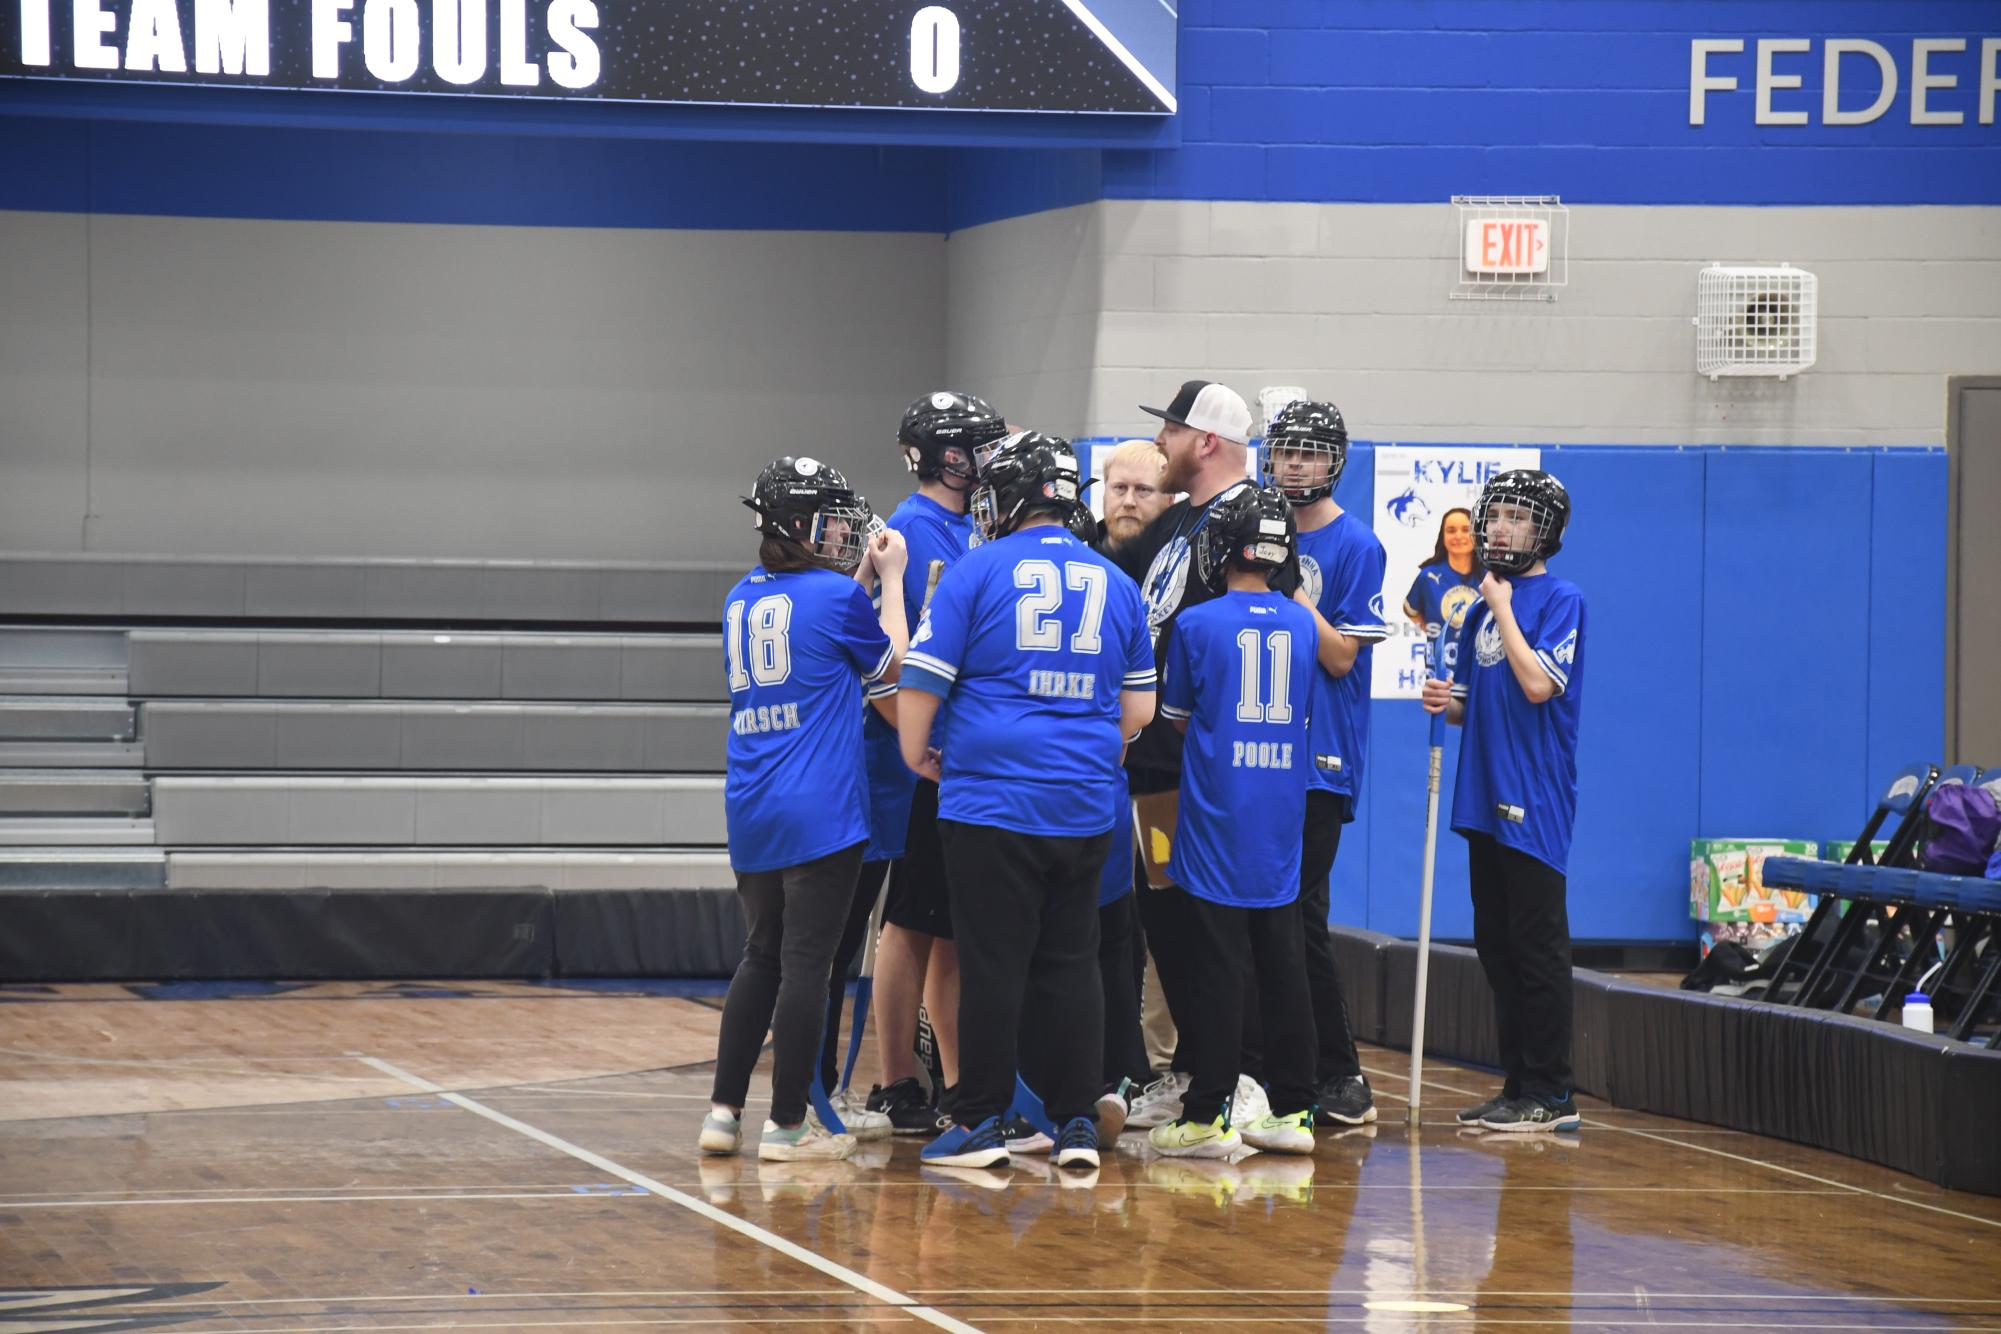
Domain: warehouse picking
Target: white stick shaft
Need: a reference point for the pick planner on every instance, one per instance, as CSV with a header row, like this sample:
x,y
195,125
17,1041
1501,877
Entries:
x,y
874,928
1424,932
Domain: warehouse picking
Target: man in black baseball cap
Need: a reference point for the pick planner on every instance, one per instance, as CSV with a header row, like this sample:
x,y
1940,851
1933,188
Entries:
x,y
1204,437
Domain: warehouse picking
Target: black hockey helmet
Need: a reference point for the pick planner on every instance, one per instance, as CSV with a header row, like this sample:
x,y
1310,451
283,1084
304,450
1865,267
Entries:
x,y
937,424
805,501
1251,526
1315,438
1025,472
1529,491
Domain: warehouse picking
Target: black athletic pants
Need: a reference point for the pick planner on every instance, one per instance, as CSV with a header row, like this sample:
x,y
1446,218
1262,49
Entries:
x,y
1336,1035
834,1042
1173,939
792,921
1521,930
1025,913
1235,941
1125,1044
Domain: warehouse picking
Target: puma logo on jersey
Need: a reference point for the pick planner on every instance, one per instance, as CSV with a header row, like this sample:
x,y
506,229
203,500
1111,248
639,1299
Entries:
x,y
765,718
1063,685
1261,754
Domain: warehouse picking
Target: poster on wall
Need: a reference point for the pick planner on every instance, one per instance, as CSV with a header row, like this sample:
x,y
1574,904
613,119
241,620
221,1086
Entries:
x,y
1416,487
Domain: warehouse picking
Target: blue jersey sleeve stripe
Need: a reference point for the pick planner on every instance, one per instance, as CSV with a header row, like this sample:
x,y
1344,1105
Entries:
x,y
1169,711
888,653
937,667
1377,631
916,676
1137,679
1458,690
1556,673
881,689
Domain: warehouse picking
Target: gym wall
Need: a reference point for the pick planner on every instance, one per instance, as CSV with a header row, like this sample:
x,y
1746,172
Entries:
x,y
449,336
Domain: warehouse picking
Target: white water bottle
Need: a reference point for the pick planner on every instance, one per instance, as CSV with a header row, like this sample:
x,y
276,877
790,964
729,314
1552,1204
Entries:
x,y
1918,1012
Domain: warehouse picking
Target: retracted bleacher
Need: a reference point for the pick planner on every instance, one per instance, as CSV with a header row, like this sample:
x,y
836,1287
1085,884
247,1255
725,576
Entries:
x,y
232,768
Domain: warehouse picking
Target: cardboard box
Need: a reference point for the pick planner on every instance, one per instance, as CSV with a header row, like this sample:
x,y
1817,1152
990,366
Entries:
x,y
1837,849
1726,881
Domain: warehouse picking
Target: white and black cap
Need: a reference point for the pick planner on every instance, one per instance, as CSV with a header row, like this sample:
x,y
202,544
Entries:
x,y
1214,409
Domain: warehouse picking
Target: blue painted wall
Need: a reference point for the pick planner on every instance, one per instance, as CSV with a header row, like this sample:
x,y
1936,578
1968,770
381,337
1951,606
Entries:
x,y
1419,100
1768,645
1358,101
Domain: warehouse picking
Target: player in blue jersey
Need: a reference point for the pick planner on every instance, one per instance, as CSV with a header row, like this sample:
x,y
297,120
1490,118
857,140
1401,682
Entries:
x,y
1239,682
1447,584
800,642
940,436
1515,683
1037,649
1341,564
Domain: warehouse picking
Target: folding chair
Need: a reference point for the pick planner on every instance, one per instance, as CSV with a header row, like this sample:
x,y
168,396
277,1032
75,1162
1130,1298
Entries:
x,y
1830,932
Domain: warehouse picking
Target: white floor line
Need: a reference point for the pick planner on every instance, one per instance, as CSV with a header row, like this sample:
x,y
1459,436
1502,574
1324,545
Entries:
x,y
307,1199
491,1296
1735,1157
475,1298
1449,1293
860,1282
821,1319
1805,1176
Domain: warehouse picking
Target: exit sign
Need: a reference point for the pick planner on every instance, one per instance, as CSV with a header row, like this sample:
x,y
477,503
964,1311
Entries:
x,y
1507,245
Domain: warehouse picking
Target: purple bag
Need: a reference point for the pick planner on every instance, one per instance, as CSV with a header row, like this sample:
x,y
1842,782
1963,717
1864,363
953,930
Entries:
x,y
1961,828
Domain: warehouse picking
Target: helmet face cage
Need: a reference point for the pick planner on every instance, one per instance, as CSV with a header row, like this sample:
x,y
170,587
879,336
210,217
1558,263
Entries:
x,y
841,529
1314,439
1519,520
1310,471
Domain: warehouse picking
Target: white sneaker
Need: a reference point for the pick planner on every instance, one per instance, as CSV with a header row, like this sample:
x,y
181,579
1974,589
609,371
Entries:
x,y
853,1110
807,1140
1250,1105
1157,1103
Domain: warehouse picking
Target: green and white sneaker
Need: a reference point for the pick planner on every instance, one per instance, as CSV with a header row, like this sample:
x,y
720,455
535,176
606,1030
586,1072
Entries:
x,y
1273,1133
807,1140
721,1133
1196,1139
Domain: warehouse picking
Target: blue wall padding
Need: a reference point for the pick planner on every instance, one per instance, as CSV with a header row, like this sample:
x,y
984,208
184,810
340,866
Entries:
x,y
1766,647
1905,626
1785,687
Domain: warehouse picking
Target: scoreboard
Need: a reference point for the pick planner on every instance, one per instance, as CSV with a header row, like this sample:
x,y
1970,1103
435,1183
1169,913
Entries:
x,y
1088,56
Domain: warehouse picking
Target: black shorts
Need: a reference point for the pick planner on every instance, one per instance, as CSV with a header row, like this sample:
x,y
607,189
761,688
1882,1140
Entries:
x,y
917,900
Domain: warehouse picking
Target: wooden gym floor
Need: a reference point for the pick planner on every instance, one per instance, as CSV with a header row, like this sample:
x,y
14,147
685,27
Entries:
x,y
490,1156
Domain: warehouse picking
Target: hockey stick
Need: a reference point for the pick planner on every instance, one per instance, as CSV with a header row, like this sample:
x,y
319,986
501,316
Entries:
x,y
865,984
1424,901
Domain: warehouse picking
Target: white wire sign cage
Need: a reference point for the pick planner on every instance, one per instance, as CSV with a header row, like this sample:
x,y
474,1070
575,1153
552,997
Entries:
x,y
1512,247
1755,320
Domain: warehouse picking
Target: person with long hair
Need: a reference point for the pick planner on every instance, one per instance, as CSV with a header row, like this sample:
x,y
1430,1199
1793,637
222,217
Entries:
x,y
1448,583
801,646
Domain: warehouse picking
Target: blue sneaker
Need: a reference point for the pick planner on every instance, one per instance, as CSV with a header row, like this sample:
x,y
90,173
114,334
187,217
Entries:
x,y
1077,1143
982,1146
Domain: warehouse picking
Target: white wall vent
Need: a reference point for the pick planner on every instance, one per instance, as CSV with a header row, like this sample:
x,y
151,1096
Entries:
x,y
1755,319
